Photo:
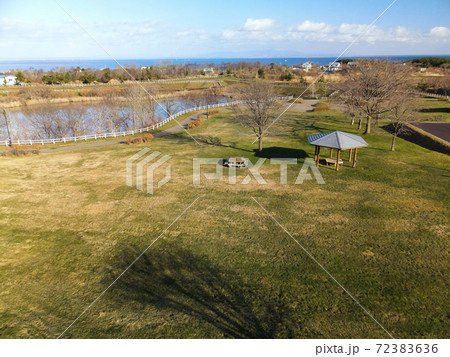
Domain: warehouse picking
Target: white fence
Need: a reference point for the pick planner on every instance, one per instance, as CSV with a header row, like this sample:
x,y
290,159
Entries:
x,y
121,133
213,79
427,94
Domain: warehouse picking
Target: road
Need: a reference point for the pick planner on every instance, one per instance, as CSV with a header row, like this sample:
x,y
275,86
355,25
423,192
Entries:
x,y
441,130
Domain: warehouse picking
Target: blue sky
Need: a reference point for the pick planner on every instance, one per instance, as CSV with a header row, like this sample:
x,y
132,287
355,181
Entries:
x,y
39,29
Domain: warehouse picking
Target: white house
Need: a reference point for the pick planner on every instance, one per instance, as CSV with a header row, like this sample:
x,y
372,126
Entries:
x,y
335,66
307,66
332,67
8,80
209,70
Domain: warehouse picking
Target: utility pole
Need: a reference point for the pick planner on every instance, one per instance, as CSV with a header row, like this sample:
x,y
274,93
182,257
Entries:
x,y
7,127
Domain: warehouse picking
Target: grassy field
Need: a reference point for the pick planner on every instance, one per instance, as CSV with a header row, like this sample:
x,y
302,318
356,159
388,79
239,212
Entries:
x,y
69,226
432,109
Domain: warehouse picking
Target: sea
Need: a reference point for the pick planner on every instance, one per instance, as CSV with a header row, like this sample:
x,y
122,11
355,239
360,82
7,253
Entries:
x,y
55,64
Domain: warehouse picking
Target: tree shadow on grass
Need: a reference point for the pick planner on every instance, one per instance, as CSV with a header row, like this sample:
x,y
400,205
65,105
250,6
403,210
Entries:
x,y
178,280
435,110
216,141
421,140
281,152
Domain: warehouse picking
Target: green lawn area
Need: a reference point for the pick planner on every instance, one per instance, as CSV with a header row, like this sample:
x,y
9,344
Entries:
x,y
434,110
69,226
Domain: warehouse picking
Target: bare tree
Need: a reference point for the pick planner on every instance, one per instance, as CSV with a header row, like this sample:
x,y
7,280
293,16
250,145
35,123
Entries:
x,y
169,104
5,127
258,107
401,112
141,105
351,110
370,85
194,98
212,96
40,124
75,120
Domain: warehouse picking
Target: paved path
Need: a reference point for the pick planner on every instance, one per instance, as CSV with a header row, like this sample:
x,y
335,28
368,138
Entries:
x,y
306,106
441,130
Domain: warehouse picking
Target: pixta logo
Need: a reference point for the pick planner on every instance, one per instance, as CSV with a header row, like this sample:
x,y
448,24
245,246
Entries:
x,y
308,170
145,164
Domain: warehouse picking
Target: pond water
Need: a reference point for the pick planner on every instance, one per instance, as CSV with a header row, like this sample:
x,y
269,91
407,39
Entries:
x,y
67,120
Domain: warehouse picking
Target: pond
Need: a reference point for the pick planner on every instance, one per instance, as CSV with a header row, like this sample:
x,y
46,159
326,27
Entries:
x,y
67,120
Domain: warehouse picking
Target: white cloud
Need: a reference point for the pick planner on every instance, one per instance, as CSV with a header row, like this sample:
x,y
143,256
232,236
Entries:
x,y
402,34
196,35
351,32
440,32
231,34
346,33
259,24
258,29
309,26
155,38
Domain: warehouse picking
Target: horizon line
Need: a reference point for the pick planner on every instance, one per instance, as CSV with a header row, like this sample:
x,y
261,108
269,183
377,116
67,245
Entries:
x,y
206,58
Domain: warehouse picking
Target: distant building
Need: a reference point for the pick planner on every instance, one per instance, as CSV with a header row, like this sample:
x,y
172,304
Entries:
x,y
8,80
208,70
352,64
332,67
306,66
335,66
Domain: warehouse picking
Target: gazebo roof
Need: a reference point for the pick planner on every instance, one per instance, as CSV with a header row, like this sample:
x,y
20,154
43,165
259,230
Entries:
x,y
337,140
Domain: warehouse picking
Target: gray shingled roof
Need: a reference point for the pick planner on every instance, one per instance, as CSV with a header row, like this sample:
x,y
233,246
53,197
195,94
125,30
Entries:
x,y
337,140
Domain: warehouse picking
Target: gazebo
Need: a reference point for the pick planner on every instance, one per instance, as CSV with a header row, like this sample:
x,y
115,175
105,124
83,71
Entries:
x,y
336,140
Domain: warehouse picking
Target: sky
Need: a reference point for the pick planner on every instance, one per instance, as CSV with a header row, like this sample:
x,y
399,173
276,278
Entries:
x,y
41,29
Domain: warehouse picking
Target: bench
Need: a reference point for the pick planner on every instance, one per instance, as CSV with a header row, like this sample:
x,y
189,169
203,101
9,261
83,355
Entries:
x,y
332,161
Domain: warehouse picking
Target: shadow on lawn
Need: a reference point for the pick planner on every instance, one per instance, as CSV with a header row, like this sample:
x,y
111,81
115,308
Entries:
x,y
216,141
178,280
435,110
418,138
281,152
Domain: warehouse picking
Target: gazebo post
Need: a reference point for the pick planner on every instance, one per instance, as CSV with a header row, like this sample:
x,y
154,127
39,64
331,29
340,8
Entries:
x,y
318,155
331,152
350,155
315,152
337,160
354,157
